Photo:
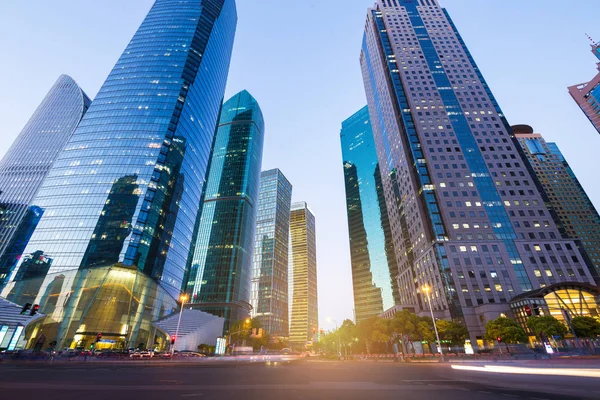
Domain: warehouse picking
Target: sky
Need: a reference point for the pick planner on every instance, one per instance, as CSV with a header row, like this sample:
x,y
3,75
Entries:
x,y
300,60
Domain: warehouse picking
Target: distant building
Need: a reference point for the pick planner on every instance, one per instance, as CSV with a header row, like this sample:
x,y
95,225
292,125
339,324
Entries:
x,y
374,267
303,301
221,265
587,95
27,163
269,295
574,212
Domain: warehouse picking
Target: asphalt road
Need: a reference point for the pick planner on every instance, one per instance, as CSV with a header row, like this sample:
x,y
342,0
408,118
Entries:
x,y
295,381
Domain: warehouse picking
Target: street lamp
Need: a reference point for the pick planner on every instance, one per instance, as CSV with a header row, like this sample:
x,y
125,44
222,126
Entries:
x,y
183,298
427,289
247,321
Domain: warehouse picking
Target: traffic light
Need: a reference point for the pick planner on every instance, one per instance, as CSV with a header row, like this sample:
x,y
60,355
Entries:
x,y
34,310
25,308
173,339
499,339
98,337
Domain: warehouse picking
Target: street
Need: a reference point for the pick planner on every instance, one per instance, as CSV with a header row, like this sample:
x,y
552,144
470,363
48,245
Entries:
x,y
295,381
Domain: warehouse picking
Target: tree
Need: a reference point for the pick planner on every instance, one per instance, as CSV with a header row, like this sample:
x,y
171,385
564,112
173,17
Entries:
x,y
547,326
406,325
348,334
506,329
586,327
453,331
381,331
365,330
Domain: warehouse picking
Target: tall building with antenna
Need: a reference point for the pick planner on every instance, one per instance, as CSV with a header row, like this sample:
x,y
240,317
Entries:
x,y
587,95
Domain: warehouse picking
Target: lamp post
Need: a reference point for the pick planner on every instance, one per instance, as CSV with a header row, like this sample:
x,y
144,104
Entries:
x,y
247,321
183,298
427,289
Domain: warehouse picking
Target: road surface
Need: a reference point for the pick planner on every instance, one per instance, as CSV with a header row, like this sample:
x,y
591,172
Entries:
x,y
294,381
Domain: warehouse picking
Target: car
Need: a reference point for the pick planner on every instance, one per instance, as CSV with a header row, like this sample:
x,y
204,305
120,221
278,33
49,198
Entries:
x,y
141,354
188,353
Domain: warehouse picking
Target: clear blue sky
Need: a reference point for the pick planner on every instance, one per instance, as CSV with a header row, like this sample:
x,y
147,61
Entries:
x,y
300,60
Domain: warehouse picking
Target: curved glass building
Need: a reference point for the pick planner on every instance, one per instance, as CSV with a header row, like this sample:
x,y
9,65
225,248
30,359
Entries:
x,y
222,260
126,189
27,162
374,267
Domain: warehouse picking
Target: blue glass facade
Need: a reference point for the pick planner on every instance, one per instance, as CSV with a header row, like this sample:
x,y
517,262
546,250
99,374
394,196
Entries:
x,y
573,211
127,187
221,264
374,267
269,293
27,163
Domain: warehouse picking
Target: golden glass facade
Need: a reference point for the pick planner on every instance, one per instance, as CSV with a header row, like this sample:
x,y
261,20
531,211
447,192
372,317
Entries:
x,y
303,305
576,299
118,302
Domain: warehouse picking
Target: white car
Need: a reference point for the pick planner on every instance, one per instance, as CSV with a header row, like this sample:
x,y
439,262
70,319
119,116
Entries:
x,y
142,354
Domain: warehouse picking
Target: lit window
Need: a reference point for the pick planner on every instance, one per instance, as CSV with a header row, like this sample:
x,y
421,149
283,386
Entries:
x,y
537,273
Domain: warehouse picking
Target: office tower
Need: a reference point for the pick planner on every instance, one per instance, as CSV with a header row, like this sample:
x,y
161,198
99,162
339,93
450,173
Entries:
x,y
27,163
221,267
269,294
121,200
302,276
374,267
587,95
466,216
572,209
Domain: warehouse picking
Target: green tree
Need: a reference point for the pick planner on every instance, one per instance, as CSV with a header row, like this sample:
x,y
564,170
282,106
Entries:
x,y
453,331
405,325
365,330
547,326
506,329
348,334
586,327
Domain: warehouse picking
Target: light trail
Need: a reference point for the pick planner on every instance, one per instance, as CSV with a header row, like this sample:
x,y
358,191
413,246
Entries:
x,y
581,372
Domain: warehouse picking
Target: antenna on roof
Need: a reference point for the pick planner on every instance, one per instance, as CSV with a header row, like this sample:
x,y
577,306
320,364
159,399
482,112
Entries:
x,y
590,39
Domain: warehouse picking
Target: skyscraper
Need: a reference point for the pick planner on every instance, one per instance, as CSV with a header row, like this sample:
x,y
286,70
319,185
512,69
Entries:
x,y
466,215
269,295
587,95
573,210
27,163
302,276
221,267
374,267
145,142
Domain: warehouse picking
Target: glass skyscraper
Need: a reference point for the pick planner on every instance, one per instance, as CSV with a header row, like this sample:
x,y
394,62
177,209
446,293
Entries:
x,y
374,267
27,162
587,95
221,265
123,195
573,210
465,213
269,294
302,276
